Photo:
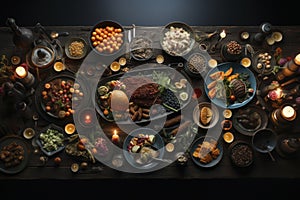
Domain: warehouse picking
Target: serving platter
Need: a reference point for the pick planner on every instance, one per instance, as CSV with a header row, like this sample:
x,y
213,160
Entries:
x,y
170,87
54,97
8,140
237,69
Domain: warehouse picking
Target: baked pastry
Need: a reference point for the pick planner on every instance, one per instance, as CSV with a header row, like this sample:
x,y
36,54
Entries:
x,y
206,115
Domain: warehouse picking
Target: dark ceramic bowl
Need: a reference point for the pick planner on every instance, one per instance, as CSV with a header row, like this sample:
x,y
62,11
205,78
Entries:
x,y
264,140
103,48
241,154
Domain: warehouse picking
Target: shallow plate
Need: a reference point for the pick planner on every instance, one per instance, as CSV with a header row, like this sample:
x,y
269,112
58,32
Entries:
x,y
263,70
39,142
237,68
215,117
243,114
200,140
158,145
18,168
52,116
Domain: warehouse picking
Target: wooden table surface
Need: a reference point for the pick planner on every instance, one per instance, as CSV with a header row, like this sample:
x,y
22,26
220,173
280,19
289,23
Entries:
x,y
263,167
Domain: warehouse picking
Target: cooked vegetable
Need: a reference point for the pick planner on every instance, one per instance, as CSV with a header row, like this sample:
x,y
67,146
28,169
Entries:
x,y
52,139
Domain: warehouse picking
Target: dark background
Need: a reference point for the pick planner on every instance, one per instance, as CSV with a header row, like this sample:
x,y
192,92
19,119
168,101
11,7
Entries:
x,y
150,13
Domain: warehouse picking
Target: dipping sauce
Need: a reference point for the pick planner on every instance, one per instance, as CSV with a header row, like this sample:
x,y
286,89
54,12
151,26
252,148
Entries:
x,y
228,137
115,66
246,62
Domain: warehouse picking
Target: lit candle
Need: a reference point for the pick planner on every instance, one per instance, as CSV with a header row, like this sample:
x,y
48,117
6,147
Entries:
x,y
115,137
288,113
87,119
297,59
21,72
223,34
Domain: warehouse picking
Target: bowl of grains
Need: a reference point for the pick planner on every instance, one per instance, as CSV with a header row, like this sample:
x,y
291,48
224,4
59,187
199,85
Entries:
x,y
76,48
241,153
196,64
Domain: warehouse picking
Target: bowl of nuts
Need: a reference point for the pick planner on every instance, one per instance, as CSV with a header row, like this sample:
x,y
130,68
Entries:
x,y
232,51
107,38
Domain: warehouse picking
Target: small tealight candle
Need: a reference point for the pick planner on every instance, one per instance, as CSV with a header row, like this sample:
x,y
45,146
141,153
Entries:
x,y
288,113
21,72
115,137
87,118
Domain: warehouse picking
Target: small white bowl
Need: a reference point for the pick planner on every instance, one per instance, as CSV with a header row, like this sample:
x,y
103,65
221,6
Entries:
x,y
28,133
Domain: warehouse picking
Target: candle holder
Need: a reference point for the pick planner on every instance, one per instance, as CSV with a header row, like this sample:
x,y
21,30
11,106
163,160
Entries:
x,y
283,116
23,74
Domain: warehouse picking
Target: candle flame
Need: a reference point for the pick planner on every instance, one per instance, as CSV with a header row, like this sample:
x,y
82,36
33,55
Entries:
x,y
223,34
115,132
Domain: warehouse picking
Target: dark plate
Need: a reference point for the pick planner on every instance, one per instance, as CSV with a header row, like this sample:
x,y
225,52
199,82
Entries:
x,y
263,70
158,145
147,72
260,115
104,24
200,140
40,103
39,142
237,68
76,39
20,141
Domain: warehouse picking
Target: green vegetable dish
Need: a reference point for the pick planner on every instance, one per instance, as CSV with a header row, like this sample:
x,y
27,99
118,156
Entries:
x,y
51,140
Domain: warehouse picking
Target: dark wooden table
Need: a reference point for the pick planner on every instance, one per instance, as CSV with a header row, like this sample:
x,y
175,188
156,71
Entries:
x,y
263,167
